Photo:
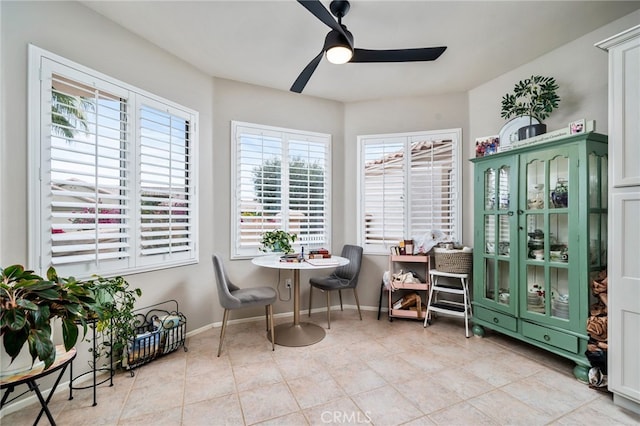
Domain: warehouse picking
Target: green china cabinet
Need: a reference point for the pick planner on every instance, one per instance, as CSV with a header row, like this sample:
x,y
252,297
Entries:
x,y
540,234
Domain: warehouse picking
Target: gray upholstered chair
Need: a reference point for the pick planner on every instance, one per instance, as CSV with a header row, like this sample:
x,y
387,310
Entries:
x,y
342,278
233,297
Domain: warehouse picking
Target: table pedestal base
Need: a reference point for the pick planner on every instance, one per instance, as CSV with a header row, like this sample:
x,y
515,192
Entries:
x,y
302,334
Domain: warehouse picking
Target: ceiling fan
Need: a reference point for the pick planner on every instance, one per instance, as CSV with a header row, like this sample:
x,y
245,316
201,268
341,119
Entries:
x,y
338,44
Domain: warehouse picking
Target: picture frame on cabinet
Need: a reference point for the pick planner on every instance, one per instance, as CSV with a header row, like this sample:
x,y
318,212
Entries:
x,y
577,126
487,145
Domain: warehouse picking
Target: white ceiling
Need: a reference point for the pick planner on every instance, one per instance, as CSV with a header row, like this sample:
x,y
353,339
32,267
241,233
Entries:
x,y
268,42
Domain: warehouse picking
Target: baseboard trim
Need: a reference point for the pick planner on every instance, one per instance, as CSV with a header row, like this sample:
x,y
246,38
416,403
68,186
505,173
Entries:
x,y
627,403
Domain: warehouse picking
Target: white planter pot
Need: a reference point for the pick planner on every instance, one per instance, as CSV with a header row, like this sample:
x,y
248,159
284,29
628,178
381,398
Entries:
x,y
23,360
20,364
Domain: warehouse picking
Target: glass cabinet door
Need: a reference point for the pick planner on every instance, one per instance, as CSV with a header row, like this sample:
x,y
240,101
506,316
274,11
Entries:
x,y
497,224
547,245
598,169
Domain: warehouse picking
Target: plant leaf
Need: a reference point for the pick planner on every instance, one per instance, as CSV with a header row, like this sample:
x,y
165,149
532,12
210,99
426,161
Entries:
x,y
41,346
13,342
69,333
15,320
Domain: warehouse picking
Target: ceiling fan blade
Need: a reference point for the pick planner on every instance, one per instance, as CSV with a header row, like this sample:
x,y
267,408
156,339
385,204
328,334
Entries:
x,y
306,73
319,11
397,55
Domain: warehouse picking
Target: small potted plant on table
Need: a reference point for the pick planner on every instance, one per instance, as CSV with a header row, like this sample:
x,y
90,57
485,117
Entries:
x,y
278,241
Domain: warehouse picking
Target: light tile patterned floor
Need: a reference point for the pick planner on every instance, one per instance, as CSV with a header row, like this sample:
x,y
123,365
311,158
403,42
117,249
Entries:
x,y
364,372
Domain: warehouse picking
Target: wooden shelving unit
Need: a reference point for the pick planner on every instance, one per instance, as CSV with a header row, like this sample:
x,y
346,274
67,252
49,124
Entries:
x,y
421,266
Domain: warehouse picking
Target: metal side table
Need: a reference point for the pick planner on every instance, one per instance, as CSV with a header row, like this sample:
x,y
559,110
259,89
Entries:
x,y
94,370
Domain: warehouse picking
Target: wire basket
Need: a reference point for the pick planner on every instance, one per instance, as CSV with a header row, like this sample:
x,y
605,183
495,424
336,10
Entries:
x,y
159,331
453,261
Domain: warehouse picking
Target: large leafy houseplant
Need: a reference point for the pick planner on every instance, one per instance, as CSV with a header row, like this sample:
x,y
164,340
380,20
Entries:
x,y
29,303
533,97
278,240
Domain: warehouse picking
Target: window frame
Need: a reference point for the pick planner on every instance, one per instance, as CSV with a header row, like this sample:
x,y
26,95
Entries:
x,y
42,66
237,250
455,135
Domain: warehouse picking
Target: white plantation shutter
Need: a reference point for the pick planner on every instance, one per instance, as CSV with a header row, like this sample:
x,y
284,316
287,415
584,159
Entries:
x,y
384,192
282,182
308,191
87,175
258,195
165,182
433,188
410,186
114,188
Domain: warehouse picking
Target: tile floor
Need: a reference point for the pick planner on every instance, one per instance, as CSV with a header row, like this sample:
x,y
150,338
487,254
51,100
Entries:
x,y
363,372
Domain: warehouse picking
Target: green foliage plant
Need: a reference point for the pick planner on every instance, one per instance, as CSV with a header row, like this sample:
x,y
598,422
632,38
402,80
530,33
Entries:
x,y
278,240
535,97
30,302
114,310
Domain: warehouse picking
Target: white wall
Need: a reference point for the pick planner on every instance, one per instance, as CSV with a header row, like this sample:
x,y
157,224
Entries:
x,y
389,116
99,44
580,70
256,104
104,46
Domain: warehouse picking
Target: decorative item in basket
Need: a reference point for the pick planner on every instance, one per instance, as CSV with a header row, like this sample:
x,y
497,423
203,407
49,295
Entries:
x,y
454,261
143,347
172,331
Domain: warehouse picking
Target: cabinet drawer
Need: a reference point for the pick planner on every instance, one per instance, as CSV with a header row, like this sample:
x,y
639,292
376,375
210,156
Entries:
x,y
550,337
493,317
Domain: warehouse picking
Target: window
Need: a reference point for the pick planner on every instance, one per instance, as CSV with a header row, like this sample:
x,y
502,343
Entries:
x,y
282,181
114,189
410,185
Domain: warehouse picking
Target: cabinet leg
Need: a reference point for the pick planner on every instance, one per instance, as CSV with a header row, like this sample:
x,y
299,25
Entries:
x,y
478,330
581,373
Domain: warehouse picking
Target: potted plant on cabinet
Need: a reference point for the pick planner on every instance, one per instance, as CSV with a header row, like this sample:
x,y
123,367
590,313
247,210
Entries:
x,y
533,97
29,304
278,241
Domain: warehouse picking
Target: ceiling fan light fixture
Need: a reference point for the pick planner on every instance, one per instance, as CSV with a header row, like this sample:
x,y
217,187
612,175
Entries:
x,y
339,55
338,49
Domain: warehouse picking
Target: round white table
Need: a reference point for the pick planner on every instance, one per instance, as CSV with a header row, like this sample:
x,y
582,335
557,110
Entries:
x,y
298,333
